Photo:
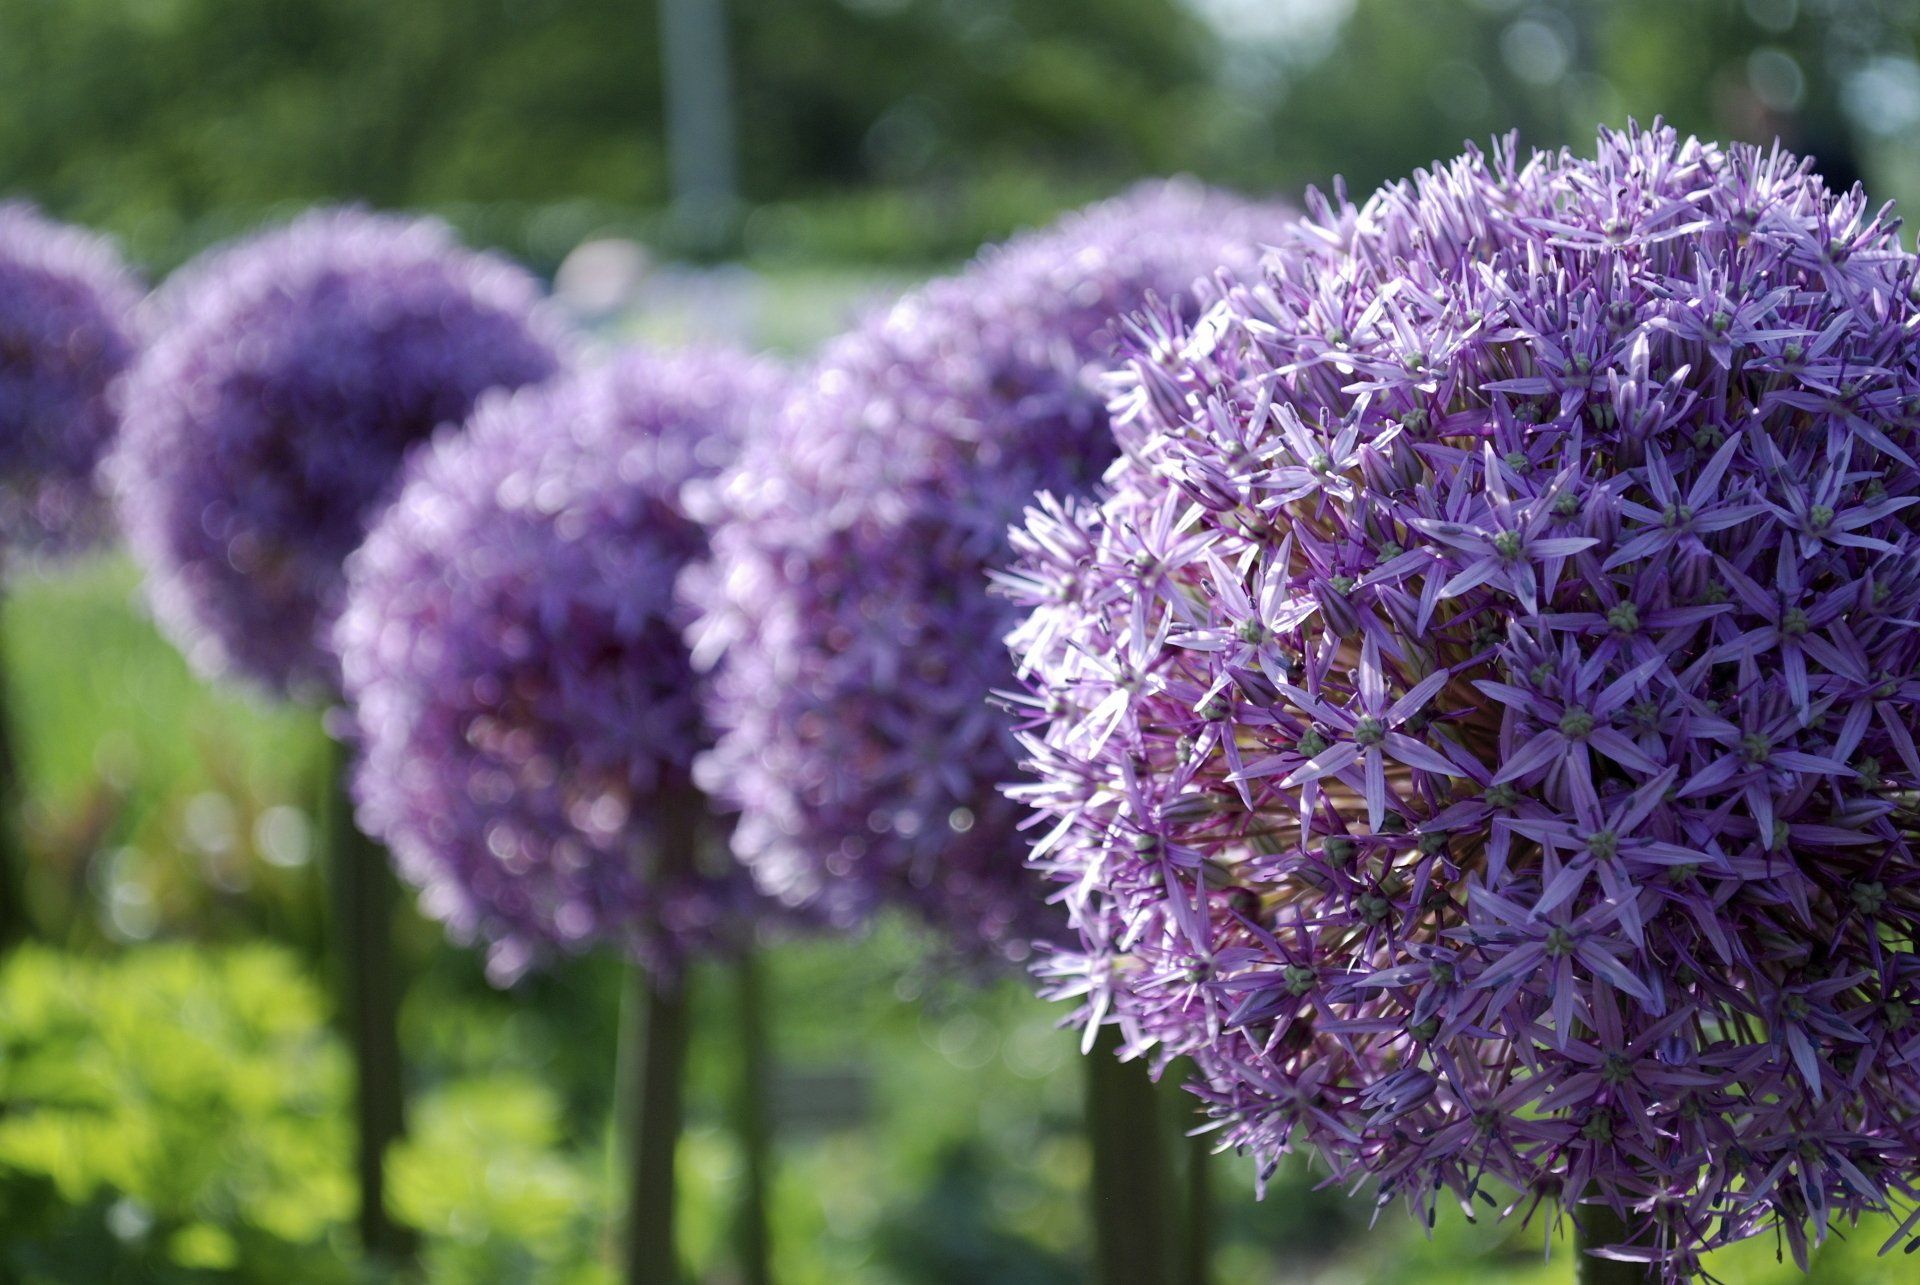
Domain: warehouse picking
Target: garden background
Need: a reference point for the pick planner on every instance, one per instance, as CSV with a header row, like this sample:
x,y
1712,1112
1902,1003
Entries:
x,y
171,1036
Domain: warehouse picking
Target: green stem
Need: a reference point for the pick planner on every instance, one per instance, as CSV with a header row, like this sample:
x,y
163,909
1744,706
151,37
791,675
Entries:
x,y
363,906
1196,1245
656,1055
16,923
1599,1225
751,1121
1131,1243
653,1058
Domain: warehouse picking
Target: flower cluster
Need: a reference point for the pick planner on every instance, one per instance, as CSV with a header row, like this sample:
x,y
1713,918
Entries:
x,y
1476,724
511,647
67,330
849,593
264,424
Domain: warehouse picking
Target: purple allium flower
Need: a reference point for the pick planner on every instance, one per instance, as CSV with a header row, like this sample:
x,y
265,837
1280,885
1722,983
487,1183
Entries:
x,y
512,649
849,593
67,330
264,425
1477,725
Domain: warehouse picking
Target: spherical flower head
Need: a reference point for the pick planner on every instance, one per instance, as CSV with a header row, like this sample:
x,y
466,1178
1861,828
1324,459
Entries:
x,y
512,651
850,595
264,425
1477,724
67,306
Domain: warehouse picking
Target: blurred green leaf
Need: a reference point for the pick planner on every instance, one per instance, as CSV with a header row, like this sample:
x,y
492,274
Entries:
x,y
193,1095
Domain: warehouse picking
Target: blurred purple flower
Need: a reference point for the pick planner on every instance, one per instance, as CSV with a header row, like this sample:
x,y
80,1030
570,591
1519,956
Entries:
x,y
849,594
512,650
288,375
1475,726
67,330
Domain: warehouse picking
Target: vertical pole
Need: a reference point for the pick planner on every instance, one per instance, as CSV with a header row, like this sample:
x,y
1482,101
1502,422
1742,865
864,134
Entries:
x,y
363,904
1129,1188
751,1120
653,1064
700,134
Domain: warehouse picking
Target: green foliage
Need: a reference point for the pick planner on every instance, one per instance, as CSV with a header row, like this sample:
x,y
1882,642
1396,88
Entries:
x,y
487,1176
1405,81
170,1115
869,131
172,122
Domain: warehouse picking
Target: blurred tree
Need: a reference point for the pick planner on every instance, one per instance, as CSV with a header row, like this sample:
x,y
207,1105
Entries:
x,y
884,128
1397,85
147,117
133,114
892,90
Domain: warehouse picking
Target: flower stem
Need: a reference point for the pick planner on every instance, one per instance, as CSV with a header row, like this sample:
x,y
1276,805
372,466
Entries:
x,y
1196,1245
1599,1225
751,1122
16,924
1131,1244
16,920
655,1051
363,904
653,1068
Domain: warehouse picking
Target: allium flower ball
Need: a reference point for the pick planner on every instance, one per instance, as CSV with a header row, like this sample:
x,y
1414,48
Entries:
x,y
265,423
67,330
1478,727
512,649
850,594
